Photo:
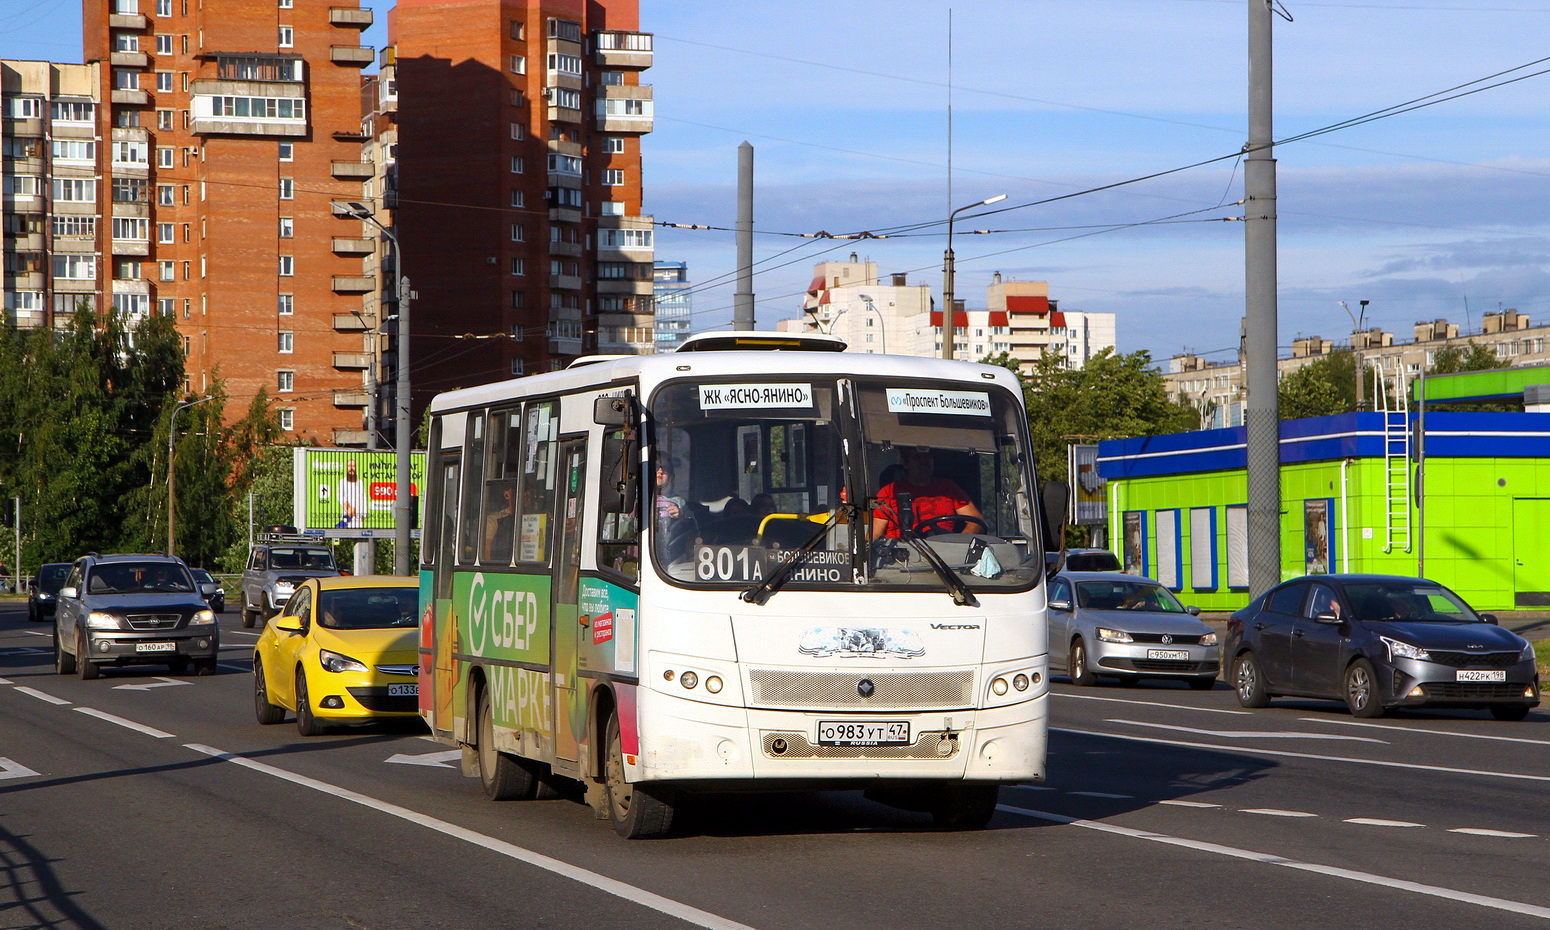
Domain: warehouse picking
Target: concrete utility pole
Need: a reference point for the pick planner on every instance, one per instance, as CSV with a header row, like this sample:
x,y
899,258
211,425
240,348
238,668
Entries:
x,y
742,301
403,501
1261,413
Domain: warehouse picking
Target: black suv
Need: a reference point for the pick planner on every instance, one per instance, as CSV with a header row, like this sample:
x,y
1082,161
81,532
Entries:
x,y
133,610
51,577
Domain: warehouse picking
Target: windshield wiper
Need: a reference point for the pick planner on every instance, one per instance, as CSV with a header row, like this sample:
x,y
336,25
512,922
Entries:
x,y
962,596
761,592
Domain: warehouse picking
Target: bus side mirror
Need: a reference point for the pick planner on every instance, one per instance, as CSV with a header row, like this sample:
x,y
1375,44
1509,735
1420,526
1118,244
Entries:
x,y
617,410
1055,497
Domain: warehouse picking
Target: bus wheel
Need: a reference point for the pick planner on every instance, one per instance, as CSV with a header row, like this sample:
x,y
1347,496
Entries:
x,y
504,777
965,806
636,812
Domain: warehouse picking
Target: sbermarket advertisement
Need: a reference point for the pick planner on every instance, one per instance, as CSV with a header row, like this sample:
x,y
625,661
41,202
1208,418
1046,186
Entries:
x,y
350,493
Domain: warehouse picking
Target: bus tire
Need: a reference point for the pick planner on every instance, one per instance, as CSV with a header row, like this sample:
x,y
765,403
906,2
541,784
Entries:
x,y
504,777
965,806
636,812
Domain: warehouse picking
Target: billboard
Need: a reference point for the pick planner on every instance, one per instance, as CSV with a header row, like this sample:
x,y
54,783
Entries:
x,y
1089,490
350,493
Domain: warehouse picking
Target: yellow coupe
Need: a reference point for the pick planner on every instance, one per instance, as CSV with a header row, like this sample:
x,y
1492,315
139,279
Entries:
x,y
342,650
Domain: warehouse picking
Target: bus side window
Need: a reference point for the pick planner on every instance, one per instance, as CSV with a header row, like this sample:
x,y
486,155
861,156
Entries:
x,y
501,503
539,464
473,479
618,526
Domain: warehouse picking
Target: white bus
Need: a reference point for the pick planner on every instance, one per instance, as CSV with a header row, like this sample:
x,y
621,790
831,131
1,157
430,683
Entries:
x,y
668,574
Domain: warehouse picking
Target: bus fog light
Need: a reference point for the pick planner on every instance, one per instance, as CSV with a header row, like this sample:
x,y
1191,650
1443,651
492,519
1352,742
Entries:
x,y
999,686
668,675
778,746
727,750
1037,678
713,685
688,679
989,750
1020,682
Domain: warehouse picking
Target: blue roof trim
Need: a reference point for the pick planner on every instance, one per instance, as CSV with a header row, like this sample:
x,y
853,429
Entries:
x,y
1316,439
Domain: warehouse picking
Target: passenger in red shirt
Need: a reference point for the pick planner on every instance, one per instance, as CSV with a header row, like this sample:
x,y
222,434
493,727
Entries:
x,y
932,496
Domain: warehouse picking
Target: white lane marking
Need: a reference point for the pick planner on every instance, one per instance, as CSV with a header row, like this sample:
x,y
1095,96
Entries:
x,y
1100,794
1375,822
130,724
592,879
1197,804
25,651
1389,726
9,769
1274,812
1502,904
235,668
241,633
1251,734
146,686
1501,834
1204,710
37,633
437,759
34,692
1256,751
6,681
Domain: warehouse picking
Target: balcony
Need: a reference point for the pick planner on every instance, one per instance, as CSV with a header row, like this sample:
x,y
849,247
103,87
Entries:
x,y
131,247
564,346
351,284
129,96
343,246
126,21
353,170
564,215
564,282
625,108
350,19
623,286
353,55
352,399
130,60
349,323
357,361
622,51
350,437
567,249
214,111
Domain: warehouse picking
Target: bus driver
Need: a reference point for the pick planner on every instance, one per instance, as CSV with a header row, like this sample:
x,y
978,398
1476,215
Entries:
x,y
933,499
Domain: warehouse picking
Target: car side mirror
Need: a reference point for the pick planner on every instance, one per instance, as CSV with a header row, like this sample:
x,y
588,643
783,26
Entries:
x,y
1060,604
288,624
1327,618
1192,610
1489,618
72,592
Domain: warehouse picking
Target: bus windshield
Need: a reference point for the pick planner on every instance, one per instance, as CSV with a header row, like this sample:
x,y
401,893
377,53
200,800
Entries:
x,y
842,482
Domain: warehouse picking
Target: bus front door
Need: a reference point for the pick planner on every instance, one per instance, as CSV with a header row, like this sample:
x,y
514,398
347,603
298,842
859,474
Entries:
x,y
570,715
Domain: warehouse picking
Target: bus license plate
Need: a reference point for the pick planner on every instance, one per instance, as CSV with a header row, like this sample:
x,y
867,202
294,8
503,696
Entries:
x,y
156,647
1178,655
403,690
863,732
1476,674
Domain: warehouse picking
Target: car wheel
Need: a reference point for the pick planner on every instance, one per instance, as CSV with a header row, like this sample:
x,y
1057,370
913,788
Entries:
x,y
965,805
306,723
204,666
248,618
637,812
1203,683
1076,666
267,713
504,777
1509,711
1361,690
84,667
178,667
64,662
1249,682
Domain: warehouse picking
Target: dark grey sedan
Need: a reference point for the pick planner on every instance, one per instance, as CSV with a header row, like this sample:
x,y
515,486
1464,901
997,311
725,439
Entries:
x,y
1127,627
1378,642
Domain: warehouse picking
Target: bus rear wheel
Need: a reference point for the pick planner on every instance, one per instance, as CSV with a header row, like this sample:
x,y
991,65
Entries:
x,y
636,812
503,777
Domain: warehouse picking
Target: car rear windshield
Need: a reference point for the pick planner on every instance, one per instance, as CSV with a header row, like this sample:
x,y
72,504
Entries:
x,y
369,608
139,578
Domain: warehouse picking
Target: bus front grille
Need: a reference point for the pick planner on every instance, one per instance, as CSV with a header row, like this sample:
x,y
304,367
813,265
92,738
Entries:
x,y
789,745
858,690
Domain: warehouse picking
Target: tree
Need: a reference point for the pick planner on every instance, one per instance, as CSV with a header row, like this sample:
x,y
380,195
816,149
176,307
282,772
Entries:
x,y
1320,388
1453,359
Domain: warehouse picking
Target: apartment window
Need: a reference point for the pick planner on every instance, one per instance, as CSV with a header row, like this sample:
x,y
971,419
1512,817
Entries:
x,y
75,267
125,80
517,333
286,342
623,107
164,81
75,227
518,232
564,197
137,305
516,367
126,119
164,45
126,7
287,151
287,419
73,149
163,7
164,306
129,190
287,227
613,176
565,29
165,120
517,30
26,108
518,164
287,188
287,305
168,270
517,64
287,37
287,266
70,190
565,164
70,111
264,108
131,227
519,199
569,65
624,238
612,79
285,381
518,267
285,4
517,131
613,145
518,98
611,208
517,300
134,154
165,156
565,97
164,195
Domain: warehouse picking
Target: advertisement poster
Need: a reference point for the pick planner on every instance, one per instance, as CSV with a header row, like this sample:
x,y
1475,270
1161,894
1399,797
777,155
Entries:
x,y
1135,542
1316,536
350,493
1089,490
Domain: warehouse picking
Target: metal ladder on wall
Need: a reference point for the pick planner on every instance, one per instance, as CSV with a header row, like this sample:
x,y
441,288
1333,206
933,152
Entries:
x,y
1392,399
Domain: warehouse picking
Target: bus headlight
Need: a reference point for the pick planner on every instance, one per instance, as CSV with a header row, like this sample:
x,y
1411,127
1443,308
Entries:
x,y
1020,681
713,684
688,679
999,687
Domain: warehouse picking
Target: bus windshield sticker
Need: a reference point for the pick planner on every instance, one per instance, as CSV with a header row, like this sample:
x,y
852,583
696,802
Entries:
x,y
957,403
730,396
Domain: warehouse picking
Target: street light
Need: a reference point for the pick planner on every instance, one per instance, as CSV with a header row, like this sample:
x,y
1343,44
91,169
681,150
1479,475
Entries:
x,y
172,498
948,326
1356,327
403,513
827,326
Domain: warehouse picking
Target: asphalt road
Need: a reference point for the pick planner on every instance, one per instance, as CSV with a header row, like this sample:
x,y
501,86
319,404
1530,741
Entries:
x,y
141,800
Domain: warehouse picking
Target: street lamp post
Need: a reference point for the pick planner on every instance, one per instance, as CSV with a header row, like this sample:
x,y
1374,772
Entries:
x,y
172,497
1356,356
402,504
948,324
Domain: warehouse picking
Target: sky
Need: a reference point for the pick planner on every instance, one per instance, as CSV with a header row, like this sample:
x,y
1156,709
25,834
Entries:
x,y
1439,212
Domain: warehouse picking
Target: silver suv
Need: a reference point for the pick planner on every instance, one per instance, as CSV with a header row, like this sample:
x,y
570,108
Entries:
x,y
280,562
132,610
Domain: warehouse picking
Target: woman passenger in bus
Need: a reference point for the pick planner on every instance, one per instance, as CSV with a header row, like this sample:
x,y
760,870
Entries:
x,y
674,528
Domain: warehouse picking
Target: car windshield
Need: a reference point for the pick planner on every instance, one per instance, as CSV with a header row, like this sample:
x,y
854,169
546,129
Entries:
x,y
139,578
368,608
1407,601
202,576
1126,595
307,559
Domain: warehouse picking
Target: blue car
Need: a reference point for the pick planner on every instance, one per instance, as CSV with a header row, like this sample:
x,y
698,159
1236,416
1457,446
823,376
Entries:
x,y
1378,642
